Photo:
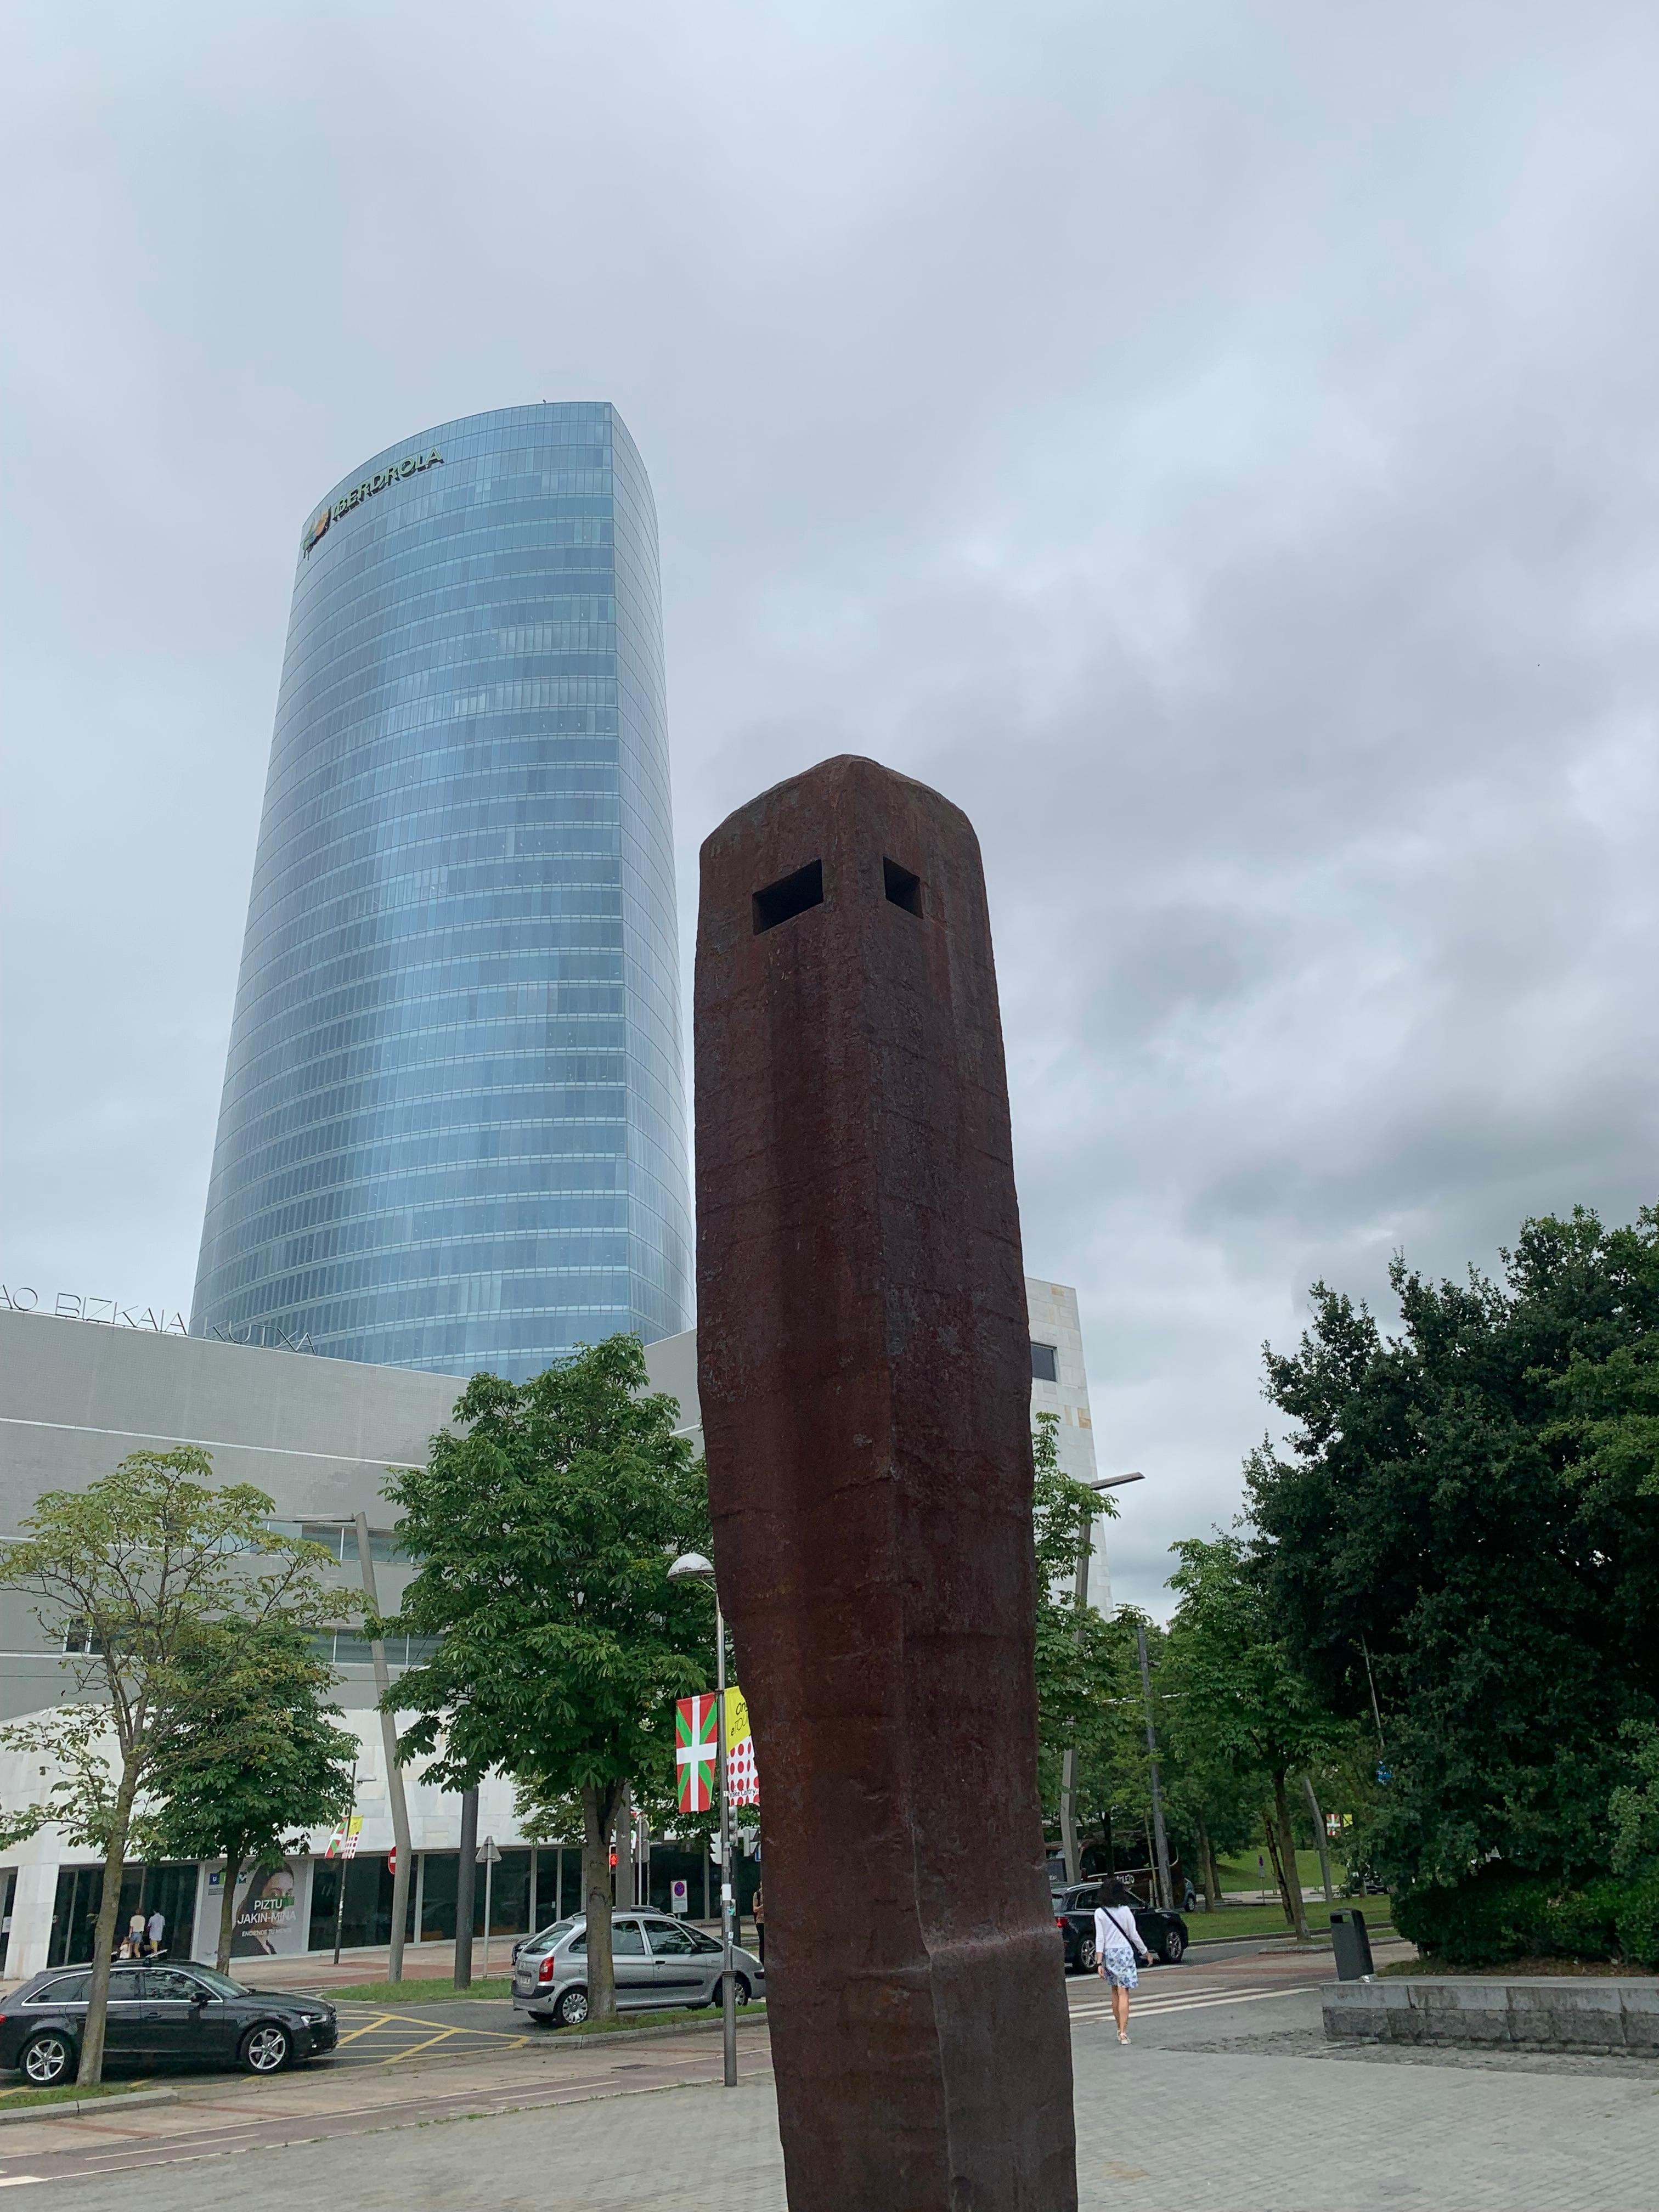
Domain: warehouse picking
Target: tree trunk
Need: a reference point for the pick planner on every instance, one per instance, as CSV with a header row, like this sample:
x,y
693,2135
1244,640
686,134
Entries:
x,y
103,1939
599,1805
1292,1879
228,1909
1211,1871
1268,1830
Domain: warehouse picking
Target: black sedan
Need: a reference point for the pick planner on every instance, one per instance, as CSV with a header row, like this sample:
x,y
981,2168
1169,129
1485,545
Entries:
x,y
158,2012
1165,1934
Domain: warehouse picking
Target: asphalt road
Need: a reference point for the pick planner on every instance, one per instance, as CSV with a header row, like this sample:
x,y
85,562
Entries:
x,y
469,2028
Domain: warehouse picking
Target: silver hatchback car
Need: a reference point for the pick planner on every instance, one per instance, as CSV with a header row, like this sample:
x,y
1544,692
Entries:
x,y
658,1962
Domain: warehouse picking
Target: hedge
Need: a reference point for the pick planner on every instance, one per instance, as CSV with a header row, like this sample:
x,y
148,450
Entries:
x,y
1500,1914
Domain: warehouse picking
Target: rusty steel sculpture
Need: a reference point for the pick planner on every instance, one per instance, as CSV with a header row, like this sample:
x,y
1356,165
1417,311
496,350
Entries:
x,y
864,1374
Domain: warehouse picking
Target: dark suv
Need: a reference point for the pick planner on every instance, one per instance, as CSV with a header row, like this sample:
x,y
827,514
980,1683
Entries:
x,y
1165,1934
159,2012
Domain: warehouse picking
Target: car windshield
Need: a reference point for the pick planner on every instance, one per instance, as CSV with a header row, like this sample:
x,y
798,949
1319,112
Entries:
x,y
221,1984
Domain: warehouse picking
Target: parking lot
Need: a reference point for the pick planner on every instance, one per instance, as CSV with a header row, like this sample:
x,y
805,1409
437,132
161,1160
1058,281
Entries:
x,y
389,2035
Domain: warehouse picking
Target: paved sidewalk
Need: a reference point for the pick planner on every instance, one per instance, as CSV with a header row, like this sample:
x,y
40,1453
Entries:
x,y
218,2115
1159,2130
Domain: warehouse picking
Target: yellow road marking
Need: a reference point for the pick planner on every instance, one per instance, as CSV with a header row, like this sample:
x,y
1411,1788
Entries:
x,y
442,2035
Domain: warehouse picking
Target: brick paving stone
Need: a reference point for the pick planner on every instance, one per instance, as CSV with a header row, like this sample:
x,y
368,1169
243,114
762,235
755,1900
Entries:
x,y
1250,2126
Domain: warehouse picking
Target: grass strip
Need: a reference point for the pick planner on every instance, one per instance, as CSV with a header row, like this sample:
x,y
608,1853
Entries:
x,y
1233,1920
429,1991
12,2100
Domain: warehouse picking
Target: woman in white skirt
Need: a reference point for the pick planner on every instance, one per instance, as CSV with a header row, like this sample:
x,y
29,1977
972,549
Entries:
x,y
1117,1939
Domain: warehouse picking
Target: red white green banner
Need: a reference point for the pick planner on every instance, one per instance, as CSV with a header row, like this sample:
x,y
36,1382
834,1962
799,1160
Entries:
x,y
697,1750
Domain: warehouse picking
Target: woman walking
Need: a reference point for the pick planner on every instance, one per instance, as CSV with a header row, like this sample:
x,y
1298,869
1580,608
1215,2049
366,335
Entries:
x,y
1116,1940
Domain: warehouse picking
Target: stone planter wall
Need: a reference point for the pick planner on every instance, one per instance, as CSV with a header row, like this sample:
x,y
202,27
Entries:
x,y
1595,2014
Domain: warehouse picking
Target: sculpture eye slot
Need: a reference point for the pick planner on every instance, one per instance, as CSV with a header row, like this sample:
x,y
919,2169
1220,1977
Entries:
x,y
902,888
789,895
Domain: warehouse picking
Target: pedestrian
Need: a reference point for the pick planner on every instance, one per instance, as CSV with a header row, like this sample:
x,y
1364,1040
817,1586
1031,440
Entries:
x,y
158,1929
759,1911
1117,1939
136,1935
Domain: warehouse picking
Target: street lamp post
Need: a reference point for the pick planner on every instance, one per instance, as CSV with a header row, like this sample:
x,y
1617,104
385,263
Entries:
x,y
691,1566
1068,1763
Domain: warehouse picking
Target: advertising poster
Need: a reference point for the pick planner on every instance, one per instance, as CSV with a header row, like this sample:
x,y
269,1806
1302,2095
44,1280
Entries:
x,y
268,1919
740,1750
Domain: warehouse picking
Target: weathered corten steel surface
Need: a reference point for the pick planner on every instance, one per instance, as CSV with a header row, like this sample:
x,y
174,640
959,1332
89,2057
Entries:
x,y
864,1374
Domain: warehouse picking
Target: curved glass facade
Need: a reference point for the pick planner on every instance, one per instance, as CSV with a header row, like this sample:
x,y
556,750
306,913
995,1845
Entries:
x,y
452,1134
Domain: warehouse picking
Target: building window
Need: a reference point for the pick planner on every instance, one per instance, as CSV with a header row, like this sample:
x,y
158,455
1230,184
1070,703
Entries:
x,y
340,1537
1045,1364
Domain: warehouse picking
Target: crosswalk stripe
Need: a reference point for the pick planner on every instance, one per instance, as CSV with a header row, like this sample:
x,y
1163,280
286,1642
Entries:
x,y
1193,2004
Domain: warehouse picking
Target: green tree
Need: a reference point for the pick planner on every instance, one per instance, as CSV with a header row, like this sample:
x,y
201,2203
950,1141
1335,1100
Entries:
x,y
1210,1806
133,1575
1078,1657
256,1756
1634,1808
545,1533
1467,1516
1245,1705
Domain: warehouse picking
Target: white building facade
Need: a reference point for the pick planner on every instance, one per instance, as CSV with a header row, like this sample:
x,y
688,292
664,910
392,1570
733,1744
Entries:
x,y
321,1437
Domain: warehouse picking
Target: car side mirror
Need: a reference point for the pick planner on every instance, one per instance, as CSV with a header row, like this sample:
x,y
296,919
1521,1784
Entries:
x,y
200,1998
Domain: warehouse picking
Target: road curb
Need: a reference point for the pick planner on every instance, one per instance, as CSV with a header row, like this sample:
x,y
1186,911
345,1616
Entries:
x,y
562,2039
72,2107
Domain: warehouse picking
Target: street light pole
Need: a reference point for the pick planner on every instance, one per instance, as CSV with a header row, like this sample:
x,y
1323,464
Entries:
x,y
728,1987
394,1773
1069,1762
691,1566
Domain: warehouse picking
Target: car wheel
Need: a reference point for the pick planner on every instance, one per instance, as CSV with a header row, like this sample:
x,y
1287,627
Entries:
x,y
1174,1945
265,2049
571,2011
46,2059
1087,1957
740,1992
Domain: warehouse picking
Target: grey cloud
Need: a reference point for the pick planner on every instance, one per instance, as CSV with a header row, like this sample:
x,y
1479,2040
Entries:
x,y
1217,446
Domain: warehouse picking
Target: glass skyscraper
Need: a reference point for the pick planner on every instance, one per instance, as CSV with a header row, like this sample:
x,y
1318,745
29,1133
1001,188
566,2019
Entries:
x,y
452,1134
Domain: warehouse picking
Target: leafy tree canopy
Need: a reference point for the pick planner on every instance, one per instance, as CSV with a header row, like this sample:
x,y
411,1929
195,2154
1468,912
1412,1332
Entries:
x,y
1472,1505
1077,1655
544,1534
135,1575
1245,1709
255,1756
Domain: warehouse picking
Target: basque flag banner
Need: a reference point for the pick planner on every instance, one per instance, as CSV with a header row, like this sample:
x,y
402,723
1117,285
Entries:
x,y
696,1748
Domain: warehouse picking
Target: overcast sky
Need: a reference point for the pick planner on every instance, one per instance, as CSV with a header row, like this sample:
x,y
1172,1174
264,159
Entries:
x,y
1217,445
